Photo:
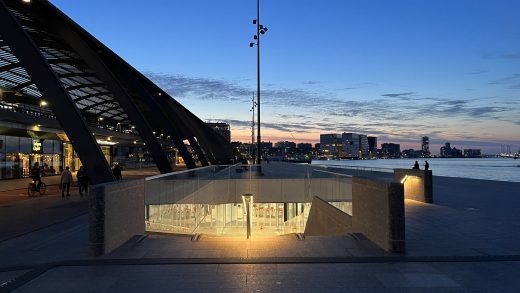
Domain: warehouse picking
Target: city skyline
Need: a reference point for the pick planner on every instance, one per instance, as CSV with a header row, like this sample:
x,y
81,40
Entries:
x,y
397,71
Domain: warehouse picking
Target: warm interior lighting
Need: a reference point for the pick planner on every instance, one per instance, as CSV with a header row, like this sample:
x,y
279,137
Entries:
x,y
43,103
247,199
26,1
404,179
100,118
105,142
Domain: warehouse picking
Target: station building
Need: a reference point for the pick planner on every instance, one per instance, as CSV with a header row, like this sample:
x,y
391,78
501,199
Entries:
x,y
68,100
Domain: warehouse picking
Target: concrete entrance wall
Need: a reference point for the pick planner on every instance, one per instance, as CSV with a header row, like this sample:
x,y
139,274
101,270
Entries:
x,y
116,214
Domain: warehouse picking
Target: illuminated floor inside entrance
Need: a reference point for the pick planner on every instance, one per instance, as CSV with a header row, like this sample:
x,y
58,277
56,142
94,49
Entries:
x,y
268,219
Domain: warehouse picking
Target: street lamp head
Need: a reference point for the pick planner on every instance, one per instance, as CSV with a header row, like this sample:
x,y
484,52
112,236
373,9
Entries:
x,y
254,21
251,44
265,29
255,37
261,26
262,32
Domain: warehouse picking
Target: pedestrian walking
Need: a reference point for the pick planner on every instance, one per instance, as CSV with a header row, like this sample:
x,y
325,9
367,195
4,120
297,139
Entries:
x,y
82,181
117,172
65,181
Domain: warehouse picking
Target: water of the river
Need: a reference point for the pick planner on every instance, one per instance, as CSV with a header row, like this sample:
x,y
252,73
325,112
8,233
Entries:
x,y
499,169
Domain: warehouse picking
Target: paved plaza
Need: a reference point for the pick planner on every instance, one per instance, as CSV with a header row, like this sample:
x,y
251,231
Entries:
x,y
467,241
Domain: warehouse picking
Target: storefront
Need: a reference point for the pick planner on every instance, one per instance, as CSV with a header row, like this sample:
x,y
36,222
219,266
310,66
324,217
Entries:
x,y
18,154
71,159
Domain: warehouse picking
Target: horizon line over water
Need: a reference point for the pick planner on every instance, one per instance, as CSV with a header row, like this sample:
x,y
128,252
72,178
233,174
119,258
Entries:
x,y
497,169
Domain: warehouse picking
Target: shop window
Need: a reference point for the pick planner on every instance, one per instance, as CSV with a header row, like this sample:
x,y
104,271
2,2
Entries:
x,y
48,146
12,144
2,143
57,147
25,145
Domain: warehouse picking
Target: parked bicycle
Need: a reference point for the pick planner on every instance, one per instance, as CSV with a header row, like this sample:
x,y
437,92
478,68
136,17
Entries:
x,y
32,190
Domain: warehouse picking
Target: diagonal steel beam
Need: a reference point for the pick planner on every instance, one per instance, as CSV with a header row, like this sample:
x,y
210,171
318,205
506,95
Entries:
x,y
148,99
67,33
68,115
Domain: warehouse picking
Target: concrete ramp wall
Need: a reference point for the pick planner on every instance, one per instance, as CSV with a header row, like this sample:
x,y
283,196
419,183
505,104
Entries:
x,y
378,212
326,220
116,214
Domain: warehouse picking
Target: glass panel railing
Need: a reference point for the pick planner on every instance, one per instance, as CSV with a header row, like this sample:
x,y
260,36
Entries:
x,y
209,199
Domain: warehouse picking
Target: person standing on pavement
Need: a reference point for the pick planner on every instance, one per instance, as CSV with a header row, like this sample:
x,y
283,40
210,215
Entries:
x,y
82,181
65,181
117,172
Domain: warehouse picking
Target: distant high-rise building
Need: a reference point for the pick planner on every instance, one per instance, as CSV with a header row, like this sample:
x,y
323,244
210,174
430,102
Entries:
x,y
449,152
266,145
304,146
221,128
426,145
472,153
285,144
364,148
391,150
445,150
372,144
331,145
351,146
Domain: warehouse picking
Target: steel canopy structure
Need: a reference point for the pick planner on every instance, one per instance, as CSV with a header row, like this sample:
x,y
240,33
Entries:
x,y
45,56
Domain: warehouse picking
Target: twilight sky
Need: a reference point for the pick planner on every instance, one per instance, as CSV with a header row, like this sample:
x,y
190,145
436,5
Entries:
x,y
398,70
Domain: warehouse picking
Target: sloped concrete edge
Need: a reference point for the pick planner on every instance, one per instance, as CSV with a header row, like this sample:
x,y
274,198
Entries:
x,y
326,220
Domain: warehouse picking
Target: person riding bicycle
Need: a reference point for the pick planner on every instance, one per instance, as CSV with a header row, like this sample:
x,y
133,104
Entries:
x,y
36,176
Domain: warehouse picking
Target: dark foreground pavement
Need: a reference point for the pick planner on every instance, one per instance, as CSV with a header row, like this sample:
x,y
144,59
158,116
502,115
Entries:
x,y
468,241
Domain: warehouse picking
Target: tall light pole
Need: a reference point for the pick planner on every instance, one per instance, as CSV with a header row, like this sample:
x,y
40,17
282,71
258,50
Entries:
x,y
251,150
260,30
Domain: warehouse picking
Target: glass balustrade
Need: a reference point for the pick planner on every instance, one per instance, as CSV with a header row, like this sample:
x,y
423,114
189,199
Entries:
x,y
209,199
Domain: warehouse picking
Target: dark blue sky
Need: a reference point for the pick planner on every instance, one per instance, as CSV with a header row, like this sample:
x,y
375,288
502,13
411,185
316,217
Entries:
x,y
395,69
